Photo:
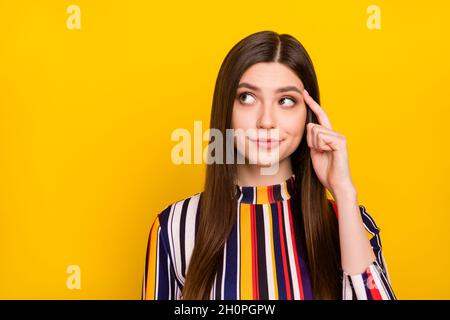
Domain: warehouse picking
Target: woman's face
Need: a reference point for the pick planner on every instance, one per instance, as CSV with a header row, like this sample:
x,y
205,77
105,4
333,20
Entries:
x,y
269,101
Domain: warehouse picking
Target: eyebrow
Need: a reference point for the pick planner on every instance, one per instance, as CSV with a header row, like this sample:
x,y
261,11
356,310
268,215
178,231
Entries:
x,y
281,89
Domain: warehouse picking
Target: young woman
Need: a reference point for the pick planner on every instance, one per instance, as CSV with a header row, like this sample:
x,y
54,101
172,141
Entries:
x,y
251,235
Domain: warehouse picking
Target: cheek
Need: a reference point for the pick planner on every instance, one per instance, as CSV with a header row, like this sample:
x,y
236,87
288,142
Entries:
x,y
241,118
293,125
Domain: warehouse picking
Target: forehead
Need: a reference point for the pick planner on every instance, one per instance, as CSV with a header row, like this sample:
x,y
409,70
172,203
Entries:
x,y
271,75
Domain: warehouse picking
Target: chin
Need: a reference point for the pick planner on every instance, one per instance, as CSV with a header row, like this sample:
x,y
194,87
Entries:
x,y
265,159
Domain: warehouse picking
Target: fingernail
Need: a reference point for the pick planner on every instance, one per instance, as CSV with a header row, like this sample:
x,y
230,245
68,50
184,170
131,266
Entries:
x,y
306,91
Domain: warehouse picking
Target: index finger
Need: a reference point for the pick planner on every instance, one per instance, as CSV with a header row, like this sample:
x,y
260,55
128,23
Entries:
x,y
318,110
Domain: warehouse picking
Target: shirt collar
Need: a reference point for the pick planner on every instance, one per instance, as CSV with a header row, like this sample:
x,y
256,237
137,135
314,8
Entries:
x,y
266,194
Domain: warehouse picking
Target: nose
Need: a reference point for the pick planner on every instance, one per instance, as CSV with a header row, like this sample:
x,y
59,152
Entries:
x,y
266,119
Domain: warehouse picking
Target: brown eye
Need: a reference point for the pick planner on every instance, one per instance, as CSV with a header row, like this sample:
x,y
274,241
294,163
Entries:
x,y
246,98
287,101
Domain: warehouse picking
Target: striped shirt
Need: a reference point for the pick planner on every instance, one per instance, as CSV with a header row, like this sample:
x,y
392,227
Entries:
x,y
262,257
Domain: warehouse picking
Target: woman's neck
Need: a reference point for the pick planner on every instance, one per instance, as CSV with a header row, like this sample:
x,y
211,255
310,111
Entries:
x,y
251,174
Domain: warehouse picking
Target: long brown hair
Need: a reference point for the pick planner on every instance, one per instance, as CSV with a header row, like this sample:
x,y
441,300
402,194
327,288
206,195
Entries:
x,y
218,204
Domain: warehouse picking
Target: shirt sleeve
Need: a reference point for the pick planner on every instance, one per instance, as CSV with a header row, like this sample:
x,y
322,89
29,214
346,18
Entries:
x,y
159,281
374,282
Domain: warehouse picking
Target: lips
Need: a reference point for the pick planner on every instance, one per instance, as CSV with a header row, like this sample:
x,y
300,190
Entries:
x,y
266,143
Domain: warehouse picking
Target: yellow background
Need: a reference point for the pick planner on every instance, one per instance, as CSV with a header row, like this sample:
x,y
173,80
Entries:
x,y
86,117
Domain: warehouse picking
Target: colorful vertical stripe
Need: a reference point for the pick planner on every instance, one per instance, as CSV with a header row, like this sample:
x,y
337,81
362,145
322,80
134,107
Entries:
x,y
262,259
